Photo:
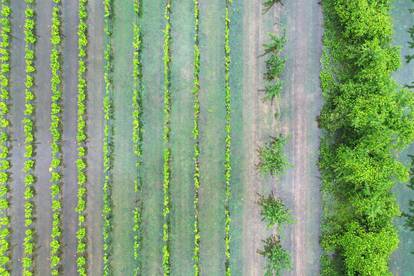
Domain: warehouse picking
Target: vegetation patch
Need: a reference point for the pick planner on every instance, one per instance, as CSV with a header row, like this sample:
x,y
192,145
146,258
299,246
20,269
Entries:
x,y
81,138
56,141
5,35
108,137
368,119
29,139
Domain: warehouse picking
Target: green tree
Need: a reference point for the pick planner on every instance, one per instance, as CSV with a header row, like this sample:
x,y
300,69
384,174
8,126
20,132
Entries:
x,y
273,211
277,258
272,158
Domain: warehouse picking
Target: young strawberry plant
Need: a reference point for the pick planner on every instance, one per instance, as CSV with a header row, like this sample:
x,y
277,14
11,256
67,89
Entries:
x,y
29,139
81,138
5,35
56,141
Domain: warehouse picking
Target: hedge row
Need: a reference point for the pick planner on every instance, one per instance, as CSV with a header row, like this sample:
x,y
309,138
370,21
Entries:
x,y
137,130
108,133
368,119
29,139
5,27
227,157
56,141
81,137
166,140
196,139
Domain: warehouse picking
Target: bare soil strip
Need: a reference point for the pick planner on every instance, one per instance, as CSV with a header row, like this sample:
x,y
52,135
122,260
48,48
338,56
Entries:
x,y
17,76
43,152
300,106
95,137
70,64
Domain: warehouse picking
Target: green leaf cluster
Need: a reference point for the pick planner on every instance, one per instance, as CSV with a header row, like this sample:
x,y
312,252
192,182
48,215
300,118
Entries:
x,y
5,36
272,159
277,258
368,120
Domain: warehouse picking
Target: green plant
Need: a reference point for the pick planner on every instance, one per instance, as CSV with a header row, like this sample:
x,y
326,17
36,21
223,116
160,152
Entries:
x,y
277,258
108,134
273,211
55,130
166,140
368,121
272,158
196,138
268,4
81,138
29,139
5,36
137,131
227,156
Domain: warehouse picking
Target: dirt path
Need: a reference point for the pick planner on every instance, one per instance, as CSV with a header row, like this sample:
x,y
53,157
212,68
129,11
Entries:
x,y
95,137
299,108
70,21
17,77
43,150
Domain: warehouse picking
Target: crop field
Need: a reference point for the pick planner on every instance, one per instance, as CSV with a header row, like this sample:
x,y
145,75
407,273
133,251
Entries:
x,y
193,137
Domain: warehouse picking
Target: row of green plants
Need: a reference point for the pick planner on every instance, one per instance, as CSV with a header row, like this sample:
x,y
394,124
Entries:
x,y
108,134
29,139
273,161
5,36
56,141
368,119
137,131
227,156
196,139
81,137
166,141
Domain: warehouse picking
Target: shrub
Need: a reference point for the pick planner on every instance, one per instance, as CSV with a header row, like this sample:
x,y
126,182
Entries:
x,y
272,158
273,211
277,258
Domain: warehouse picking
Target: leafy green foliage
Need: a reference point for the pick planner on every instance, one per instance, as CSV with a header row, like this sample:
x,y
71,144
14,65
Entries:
x,y
29,139
56,141
268,4
5,35
275,65
196,139
137,130
81,163
227,157
272,157
166,139
108,134
273,211
368,120
277,258
409,216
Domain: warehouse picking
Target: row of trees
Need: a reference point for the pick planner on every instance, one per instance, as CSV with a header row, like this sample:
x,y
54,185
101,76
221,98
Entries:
x,y
166,141
227,156
81,138
137,131
29,140
56,141
5,35
196,139
108,134
273,161
368,119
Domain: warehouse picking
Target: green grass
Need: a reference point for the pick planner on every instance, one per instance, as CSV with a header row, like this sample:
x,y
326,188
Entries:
x,y
124,172
152,26
212,144
182,212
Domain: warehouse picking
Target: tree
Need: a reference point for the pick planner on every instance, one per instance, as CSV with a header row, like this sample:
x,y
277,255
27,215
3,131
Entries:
x,y
277,258
273,211
272,158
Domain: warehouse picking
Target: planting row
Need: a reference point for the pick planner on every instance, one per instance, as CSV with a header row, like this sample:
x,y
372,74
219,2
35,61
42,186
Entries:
x,y
81,137
227,157
368,120
196,139
56,141
29,140
4,136
137,130
108,135
166,141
